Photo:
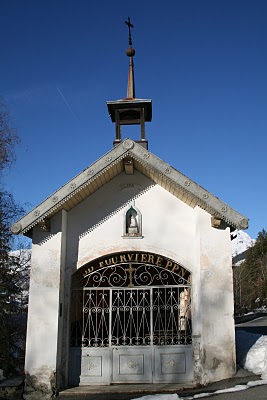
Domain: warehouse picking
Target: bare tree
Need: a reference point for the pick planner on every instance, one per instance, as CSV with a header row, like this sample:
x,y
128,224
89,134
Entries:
x,y
14,266
8,137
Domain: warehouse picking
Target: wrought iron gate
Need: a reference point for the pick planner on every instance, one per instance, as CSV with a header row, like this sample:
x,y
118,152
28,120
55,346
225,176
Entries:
x,y
132,323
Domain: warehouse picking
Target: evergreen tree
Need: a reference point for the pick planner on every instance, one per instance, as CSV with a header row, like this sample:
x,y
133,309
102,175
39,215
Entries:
x,y
250,278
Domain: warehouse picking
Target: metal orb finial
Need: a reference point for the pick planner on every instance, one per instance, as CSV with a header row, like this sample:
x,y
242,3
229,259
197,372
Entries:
x,y
130,52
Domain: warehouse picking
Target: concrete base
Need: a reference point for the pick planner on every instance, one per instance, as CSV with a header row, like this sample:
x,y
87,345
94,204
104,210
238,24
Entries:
x,y
126,391
132,388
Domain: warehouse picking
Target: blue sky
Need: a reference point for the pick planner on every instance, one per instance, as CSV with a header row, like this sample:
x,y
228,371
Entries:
x,y
202,62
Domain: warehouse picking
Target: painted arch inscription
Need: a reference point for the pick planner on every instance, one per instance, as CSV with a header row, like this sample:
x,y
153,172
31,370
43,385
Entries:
x,y
132,257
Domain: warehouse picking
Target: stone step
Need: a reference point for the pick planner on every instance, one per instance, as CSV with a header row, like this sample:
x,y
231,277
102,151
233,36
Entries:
x,y
126,388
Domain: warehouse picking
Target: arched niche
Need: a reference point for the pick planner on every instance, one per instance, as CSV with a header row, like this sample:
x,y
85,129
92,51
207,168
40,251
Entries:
x,y
132,222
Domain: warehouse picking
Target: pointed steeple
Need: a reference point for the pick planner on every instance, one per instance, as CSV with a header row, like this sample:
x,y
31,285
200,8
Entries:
x,y
130,52
130,110
130,87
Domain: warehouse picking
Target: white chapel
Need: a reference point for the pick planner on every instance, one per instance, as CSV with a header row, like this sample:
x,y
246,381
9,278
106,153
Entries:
x,y
131,278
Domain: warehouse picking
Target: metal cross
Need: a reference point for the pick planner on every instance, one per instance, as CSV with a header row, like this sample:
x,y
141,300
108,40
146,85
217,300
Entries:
x,y
128,22
130,270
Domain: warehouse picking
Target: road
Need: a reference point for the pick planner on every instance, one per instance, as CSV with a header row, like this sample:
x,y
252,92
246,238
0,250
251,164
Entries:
x,y
256,393
258,325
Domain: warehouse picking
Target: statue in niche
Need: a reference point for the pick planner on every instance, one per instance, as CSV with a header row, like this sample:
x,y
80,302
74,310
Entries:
x,y
131,222
184,314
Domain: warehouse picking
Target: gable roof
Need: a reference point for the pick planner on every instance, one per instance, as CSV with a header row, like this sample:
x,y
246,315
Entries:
x,y
112,164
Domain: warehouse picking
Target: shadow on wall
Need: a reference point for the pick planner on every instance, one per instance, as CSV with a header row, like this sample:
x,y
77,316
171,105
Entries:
x,y
103,205
113,209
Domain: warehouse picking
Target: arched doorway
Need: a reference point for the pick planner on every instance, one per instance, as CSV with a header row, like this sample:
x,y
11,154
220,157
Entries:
x,y
131,321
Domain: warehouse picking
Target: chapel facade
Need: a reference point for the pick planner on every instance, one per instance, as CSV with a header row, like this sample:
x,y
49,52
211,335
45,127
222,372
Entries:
x,y
131,278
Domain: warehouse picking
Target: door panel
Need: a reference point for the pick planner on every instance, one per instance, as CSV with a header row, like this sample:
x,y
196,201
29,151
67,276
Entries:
x,y
95,366
132,364
173,364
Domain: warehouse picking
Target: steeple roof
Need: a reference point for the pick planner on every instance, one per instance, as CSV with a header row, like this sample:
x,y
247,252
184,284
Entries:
x,y
130,110
130,52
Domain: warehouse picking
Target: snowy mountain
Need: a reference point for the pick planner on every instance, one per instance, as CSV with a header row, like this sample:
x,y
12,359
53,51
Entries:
x,y
241,242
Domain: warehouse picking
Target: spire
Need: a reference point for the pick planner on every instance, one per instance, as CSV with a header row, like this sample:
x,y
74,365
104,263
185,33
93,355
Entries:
x,y
130,110
130,52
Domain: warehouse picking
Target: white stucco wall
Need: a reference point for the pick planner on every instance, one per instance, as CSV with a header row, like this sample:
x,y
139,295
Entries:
x,y
216,300
43,314
98,227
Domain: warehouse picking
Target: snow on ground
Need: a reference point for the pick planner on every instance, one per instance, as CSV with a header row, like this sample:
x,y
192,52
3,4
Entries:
x,y
262,309
160,397
251,351
257,357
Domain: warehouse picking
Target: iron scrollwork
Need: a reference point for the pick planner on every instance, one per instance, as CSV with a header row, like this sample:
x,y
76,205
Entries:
x,y
131,304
